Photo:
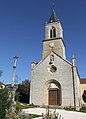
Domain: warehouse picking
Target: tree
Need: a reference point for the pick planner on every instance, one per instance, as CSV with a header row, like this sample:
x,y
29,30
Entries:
x,y
4,102
84,96
17,95
24,90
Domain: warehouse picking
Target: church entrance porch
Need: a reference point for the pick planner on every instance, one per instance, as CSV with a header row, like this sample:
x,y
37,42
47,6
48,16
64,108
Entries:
x,y
52,93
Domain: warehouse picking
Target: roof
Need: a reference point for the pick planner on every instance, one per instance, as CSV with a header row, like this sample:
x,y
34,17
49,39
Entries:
x,y
1,83
83,81
53,17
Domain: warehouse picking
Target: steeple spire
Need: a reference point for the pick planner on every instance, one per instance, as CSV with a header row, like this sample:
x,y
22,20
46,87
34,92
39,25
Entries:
x,y
53,17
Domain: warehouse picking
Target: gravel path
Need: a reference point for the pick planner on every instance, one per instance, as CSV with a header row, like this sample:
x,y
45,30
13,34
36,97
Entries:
x,y
65,114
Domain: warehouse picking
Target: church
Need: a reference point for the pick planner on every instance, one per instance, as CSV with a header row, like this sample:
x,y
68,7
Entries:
x,y
55,81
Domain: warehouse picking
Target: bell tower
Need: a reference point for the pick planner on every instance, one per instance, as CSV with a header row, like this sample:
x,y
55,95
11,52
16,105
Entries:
x,y
53,37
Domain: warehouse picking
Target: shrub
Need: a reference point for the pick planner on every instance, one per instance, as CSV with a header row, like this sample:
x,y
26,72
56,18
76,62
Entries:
x,y
4,102
84,96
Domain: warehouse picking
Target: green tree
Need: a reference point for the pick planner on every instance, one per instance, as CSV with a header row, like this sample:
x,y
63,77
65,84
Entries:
x,y
84,96
4,102
24,90
17,95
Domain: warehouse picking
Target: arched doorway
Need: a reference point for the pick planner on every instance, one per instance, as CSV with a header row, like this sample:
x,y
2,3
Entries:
x,y
53,95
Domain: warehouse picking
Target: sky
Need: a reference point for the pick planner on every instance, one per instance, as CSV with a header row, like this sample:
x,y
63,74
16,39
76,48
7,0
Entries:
x,y
22,29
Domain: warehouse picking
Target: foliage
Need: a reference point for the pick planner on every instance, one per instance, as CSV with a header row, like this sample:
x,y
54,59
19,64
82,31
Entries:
x,y
24,90
17,95
29,116
84,96
83,109
4,102
53,115
11,115
33,116
70,108
24,87
20,106
14,115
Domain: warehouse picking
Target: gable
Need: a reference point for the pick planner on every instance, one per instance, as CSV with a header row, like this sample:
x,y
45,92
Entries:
x,y
57,58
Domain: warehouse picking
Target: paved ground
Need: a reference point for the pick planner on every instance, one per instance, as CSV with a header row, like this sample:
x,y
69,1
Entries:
x,y
65,114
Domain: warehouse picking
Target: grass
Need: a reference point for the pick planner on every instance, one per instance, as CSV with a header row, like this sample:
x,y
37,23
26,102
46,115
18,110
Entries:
x,y
83,109
20,105
29,116
34,116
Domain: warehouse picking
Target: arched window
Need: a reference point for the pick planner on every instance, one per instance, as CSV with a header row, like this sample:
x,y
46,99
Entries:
x,y
53,32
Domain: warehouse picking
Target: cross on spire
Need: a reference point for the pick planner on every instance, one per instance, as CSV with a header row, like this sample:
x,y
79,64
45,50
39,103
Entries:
x,y
53,5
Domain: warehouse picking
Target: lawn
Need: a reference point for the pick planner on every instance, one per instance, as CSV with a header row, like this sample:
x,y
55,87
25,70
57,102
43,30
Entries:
x,y
29,116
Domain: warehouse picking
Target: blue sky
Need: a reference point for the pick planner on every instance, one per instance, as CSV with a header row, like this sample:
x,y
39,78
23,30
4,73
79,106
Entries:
x,y
22,31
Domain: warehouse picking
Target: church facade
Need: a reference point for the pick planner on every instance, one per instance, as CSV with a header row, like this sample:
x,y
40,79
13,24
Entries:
x,y
55,80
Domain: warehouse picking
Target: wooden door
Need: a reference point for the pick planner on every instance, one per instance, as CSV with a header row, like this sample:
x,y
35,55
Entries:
x,y
53,97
